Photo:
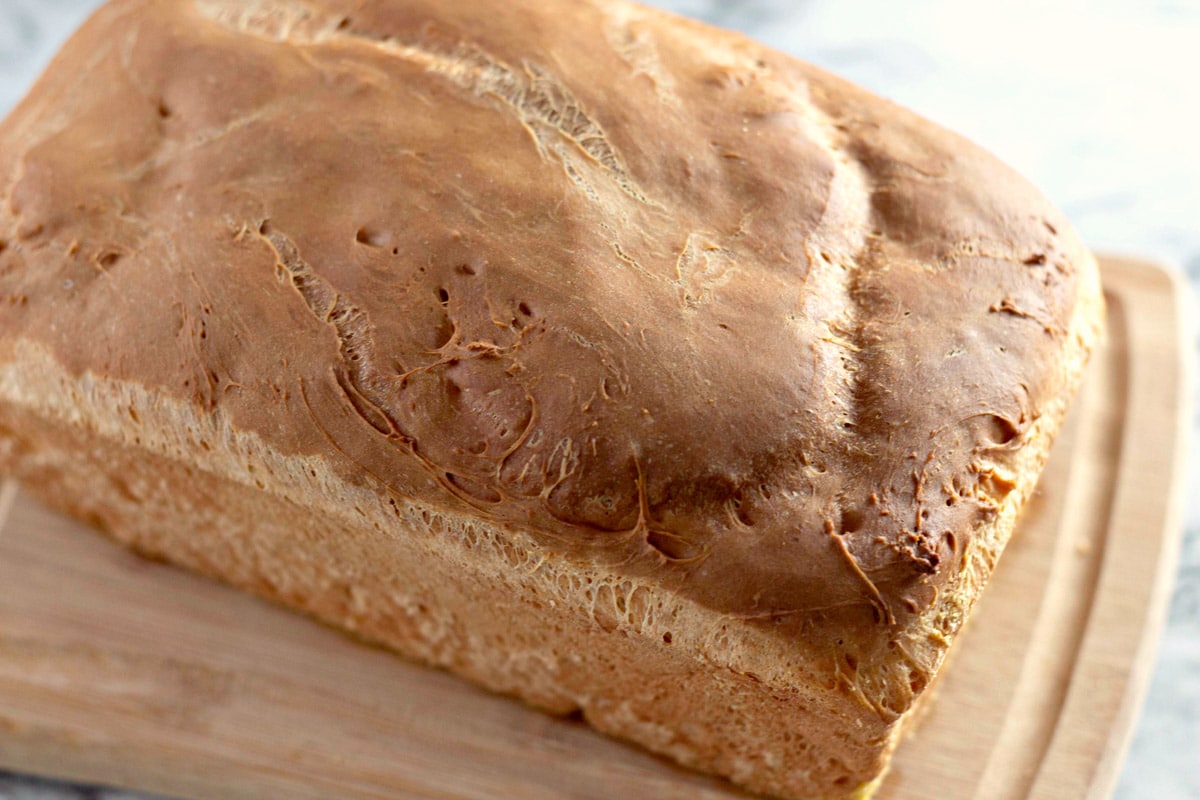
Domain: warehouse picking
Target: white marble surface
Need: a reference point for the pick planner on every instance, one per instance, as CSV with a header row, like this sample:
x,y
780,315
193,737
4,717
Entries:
x,y
1095,100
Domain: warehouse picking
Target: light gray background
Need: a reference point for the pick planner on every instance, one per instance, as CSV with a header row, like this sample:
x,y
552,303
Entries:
x,y
1095,101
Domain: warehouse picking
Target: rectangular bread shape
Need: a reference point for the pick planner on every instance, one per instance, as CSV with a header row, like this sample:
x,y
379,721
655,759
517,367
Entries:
x,y
606,359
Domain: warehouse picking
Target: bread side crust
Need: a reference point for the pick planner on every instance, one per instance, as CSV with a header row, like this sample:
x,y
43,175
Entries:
x,y
490,604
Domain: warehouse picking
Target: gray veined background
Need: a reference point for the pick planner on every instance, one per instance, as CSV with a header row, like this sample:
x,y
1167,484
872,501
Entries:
x,y
1095,100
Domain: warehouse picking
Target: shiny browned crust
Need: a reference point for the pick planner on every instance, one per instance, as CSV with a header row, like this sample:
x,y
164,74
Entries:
x,y
624,325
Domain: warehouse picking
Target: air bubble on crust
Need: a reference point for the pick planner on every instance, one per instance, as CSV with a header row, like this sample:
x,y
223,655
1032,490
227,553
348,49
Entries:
x,y
371,237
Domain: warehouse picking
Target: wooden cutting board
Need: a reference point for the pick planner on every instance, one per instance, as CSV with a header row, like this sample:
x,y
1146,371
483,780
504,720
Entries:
x,y
117,670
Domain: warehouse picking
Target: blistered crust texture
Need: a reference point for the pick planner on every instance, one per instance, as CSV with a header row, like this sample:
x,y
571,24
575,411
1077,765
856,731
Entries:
x,y
638,293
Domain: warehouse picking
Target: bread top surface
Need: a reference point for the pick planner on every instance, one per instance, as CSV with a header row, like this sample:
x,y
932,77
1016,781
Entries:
x,y
662,296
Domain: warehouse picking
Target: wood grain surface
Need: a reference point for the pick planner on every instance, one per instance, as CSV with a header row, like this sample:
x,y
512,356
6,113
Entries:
x,y
118,670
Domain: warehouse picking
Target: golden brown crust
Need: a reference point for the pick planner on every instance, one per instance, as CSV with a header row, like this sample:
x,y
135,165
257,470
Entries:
x,y
677,305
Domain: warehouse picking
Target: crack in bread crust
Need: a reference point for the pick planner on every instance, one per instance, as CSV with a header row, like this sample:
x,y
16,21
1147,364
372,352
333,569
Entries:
x,y
538,99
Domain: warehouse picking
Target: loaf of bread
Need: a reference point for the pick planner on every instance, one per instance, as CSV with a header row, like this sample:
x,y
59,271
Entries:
x,y
604,358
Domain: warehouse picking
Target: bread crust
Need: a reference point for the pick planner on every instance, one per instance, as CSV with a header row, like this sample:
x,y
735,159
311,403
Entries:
x,y
636,300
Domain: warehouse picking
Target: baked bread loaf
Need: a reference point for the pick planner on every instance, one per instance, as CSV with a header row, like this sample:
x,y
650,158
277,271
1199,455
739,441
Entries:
x,y
604,358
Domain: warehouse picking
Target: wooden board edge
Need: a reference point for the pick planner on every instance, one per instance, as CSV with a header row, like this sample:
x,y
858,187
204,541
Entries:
x,y
1183,306
1085,758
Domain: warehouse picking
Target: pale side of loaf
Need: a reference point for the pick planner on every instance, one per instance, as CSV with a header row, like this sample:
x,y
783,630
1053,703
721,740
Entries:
x,y
604,358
